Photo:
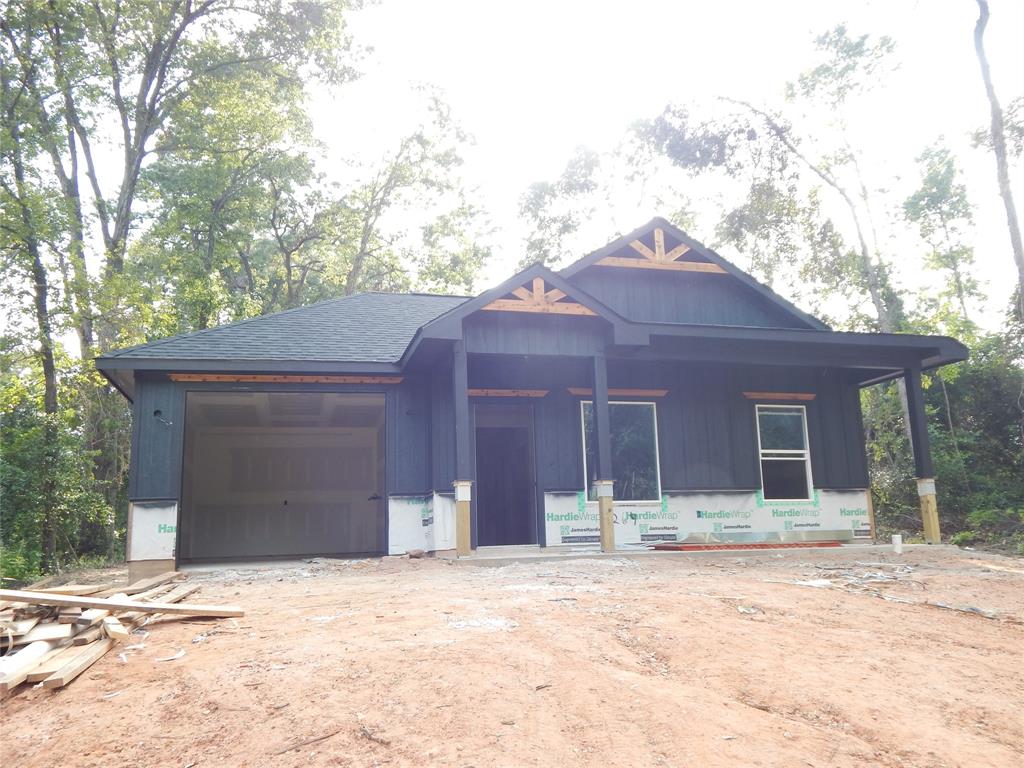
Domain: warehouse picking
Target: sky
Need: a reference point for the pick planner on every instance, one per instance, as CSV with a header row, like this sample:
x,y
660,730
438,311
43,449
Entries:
x,y
533,80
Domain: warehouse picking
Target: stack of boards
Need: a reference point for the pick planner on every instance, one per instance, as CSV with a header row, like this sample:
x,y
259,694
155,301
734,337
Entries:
x,y
52,635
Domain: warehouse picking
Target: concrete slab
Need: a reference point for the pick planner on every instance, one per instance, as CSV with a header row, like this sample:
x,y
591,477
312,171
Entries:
x,y
500,556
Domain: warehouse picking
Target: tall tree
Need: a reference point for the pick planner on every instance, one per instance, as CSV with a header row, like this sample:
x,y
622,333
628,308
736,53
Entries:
x,y
997,134
942,213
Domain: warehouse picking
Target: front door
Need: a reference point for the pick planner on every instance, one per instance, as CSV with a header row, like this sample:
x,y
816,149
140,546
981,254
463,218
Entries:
x,y
506,489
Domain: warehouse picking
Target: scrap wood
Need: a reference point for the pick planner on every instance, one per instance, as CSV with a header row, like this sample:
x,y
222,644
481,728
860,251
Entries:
x,y
114,629
88,636
53,661
68,615
304,742
75,589
190,609
76,666
48,631
17,627
142,584
94,616
15,667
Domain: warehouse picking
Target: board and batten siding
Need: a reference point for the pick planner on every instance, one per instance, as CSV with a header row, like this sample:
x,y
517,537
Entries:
x,y
661,296
157,440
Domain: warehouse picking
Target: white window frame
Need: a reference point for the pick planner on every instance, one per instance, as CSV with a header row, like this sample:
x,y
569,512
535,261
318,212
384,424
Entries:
x,y
786,455
657,449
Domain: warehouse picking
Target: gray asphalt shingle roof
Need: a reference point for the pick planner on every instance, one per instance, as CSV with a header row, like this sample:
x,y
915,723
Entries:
x,y
365,327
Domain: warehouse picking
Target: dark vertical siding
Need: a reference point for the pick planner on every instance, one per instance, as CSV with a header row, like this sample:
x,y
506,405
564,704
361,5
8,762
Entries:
x,y
682,297
409,438
156,445
442,428
526,334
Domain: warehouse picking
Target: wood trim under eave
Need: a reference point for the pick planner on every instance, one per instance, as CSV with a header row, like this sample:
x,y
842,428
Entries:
x,y
779,395
553,308
677,266
507,392
587,391
261,378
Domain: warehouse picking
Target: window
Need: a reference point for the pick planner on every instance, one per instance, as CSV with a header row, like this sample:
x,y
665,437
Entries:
x,y
785,459
634,436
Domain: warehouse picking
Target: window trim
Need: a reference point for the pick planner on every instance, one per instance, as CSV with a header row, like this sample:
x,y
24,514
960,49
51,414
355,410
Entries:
x,y
792,454
657,450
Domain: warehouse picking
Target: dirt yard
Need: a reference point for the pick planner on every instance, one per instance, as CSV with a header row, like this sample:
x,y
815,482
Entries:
x,y
665,661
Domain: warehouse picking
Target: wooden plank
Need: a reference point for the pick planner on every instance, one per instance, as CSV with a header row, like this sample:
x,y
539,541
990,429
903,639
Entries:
x,y
554,295
79,664
142,584
69,615
114,629
53,661
75,589
48,631
215,611
88,636
677,266
619,392
93,616
507,392
16,628
676,252
522,293
180,593
15,668
643,250
285,378
779,395
554,308
659,244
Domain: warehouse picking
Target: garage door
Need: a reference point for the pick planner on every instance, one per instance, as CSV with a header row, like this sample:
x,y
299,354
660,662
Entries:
x,y
278,474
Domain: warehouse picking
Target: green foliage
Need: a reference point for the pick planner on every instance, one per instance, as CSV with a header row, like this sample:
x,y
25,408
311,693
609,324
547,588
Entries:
x,y
77,506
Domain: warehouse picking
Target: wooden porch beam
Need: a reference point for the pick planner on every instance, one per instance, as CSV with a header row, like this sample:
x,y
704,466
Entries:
x,y
619,392
676,266
779,395
546,308
507,392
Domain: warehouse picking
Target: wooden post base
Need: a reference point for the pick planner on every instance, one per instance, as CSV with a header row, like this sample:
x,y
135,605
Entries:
x,y
929,510
606,518
463,518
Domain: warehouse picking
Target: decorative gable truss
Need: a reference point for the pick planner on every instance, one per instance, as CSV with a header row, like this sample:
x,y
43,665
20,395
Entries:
x,y
659,258
539,298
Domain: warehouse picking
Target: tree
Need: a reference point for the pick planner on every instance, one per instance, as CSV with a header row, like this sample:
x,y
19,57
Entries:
x,y
997,136
942,213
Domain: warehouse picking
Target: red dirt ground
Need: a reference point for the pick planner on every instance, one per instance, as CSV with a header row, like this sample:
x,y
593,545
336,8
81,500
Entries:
x,y
672,660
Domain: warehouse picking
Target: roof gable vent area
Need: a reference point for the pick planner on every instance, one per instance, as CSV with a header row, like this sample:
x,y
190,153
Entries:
x,y
660,250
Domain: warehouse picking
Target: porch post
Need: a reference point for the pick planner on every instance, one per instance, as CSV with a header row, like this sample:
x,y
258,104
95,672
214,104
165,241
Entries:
x,y
604,476
463,460
924,470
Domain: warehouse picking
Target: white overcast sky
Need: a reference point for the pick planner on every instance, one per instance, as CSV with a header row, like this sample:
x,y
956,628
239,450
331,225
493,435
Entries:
x,y
532,80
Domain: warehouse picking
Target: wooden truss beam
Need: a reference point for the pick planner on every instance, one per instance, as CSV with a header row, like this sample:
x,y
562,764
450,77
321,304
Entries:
x,y
507,392
779,395
659,258
260,378
539,299
620,392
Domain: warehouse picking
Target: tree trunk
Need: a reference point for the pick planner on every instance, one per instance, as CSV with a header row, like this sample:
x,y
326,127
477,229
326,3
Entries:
x,y
999,147
40,295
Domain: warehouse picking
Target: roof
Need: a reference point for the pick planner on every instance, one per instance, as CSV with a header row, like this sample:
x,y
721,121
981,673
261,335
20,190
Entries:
x,y
364,327
703,253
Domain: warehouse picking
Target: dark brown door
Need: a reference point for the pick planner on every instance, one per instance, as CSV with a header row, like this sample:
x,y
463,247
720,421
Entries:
x,y
506,494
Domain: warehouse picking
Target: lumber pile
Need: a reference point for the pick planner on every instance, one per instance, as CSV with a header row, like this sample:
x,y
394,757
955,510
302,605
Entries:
x,y
51,635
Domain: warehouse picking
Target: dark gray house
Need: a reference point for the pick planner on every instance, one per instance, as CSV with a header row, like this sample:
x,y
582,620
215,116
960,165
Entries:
x,y
649,392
